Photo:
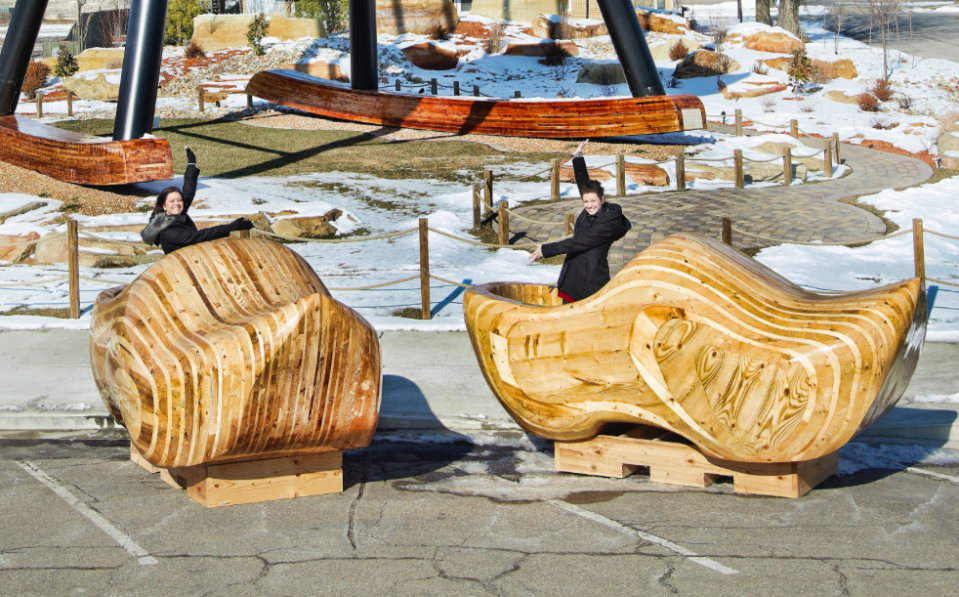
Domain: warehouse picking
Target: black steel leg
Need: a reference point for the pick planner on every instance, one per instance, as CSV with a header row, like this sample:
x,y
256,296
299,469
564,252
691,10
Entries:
x,y
364,70
631,48
141,69
18,51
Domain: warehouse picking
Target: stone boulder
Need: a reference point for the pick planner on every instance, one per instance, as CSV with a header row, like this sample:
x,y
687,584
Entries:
x,y
321,69
542,50
948,145
14,254
95,59
290,29
52,249
840,69
601,73
663,23
97,88
647,174
771,39
431,56
660,52
308,226
219,32
518,11
703,63
566,174
415,16
758,89
555,27
841,97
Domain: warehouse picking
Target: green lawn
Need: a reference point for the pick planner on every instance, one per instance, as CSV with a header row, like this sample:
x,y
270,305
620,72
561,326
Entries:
x,y
234,150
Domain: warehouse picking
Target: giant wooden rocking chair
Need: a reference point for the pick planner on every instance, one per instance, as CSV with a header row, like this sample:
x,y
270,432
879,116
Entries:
x,y
698,340
233,369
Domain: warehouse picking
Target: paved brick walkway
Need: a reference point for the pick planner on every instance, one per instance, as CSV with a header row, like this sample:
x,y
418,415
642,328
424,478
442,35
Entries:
x,y
806,212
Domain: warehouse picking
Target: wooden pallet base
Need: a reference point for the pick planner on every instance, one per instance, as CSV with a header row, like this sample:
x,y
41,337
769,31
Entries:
x,y
228,484
673,461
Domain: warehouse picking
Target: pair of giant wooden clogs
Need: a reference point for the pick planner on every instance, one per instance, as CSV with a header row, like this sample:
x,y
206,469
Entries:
x,y
233,350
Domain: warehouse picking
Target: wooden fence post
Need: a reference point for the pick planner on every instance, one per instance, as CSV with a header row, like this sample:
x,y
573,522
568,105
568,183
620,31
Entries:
x,y
249,101
503,222
69,103
569,220
728,231
200,94
39,105
919,252
835,139
424,269
488,184
476,92
738,156
433,86
739,123
517,94
73,262
477,201
399,86
827,159
456,87
794,128
554,179
788,167
681,169
620,175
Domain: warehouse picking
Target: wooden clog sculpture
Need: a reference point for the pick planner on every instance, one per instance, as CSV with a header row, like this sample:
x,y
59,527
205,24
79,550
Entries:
x,y
698,339
233,350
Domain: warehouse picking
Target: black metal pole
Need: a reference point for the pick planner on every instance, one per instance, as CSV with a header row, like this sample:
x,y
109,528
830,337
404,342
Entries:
x,y
141,69
364,72
630,43
18,51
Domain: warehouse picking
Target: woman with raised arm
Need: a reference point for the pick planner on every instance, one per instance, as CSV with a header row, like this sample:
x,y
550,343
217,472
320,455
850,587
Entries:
x,y
586,269
171,228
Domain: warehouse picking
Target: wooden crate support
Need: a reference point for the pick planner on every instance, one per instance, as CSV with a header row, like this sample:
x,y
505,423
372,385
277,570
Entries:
x,y
675,462
73,263
681,169
739,123
554,179
738,162
425,269
919,250
787,167
728,231
620,175
569,221
251,481
69,103
477,204
502,205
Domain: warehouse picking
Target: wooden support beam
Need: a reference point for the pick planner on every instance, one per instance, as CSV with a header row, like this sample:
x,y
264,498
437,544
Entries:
x,y
69,103
794,128
569,221
73,263
554,179
728,231
788,167
477,204
739,123
503,222
827,159
620,175
918,249
488,188
681,169
738,156
424,269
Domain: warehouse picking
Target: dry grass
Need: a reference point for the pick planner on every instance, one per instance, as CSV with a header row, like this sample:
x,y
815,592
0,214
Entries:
x,y
496,33
868,102
437,31
562,29
194,50
760,68
882,89
768,102
678,50
948,122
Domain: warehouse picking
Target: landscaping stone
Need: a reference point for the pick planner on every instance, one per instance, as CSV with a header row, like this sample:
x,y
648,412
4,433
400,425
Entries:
x,y
841,97
307,226
647,174
518,11
771,39
540,50
15,253
219,32
703,63
948,145
415,16
551,27
98,88
601,73
290,29
660,52
840,69
321,69
95,59
663,23
760,89
431,56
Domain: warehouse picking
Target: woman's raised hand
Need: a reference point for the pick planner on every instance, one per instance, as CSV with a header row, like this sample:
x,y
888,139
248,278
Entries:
x,y
537,254
582,147
190,157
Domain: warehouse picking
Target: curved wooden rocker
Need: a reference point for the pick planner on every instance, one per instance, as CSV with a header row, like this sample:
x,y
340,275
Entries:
x,y
557,119
233,351
82,159
695,338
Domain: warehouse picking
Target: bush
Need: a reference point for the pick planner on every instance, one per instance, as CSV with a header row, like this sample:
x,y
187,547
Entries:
x,y
882,89
904,101
257,32
868,102
880,123
331,12
38,73
4,18
437,31
67,64
678,50
760,68
496,32
948,122
768,102
800,69
194,50
179,22
554,54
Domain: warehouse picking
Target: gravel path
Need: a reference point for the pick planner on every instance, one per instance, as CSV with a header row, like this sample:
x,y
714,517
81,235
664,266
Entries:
x,y
88,201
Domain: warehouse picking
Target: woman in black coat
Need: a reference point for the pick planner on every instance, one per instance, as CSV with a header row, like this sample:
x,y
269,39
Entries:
x,y
171,227
586,269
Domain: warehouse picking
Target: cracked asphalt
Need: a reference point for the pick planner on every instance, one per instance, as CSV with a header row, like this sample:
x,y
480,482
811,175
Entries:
x,y
465,519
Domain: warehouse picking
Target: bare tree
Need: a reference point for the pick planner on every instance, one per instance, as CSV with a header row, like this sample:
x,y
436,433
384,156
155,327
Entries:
x,y
115,24
883,13
80,27
838,13
718,30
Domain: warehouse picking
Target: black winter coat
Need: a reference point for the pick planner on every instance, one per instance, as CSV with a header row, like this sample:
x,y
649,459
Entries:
x,y
586,268
176,232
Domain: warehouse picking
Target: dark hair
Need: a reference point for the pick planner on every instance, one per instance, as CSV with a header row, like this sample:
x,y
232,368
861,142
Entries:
x,y
161,199
593,186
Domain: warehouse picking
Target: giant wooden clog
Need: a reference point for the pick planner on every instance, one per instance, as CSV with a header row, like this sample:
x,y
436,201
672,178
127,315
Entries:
x,y
694,337
233,350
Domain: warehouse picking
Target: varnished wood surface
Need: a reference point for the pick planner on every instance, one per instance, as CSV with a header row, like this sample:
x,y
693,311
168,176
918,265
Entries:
x,y
233,350
694,337
561,119
82,159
